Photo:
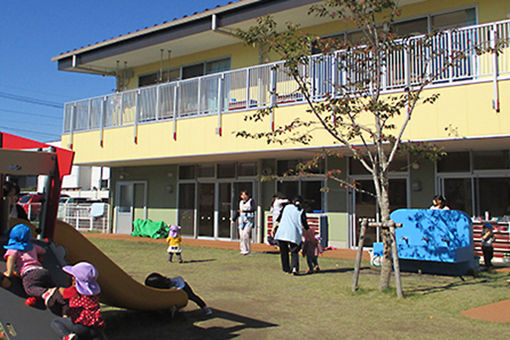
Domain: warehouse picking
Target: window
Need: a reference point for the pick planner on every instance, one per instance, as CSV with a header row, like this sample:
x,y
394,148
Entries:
x,y
309,190
206,170
247,169
485,160
420,25
192,71
153,78
217,66
459,18
410,27
494,195
454,162
227,170
187,172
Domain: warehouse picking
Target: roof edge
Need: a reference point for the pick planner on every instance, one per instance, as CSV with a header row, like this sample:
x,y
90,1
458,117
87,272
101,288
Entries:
x,y
157,27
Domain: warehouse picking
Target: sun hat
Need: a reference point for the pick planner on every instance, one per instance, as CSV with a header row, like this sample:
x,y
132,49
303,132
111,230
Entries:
x,y
86,276
19,238
174,229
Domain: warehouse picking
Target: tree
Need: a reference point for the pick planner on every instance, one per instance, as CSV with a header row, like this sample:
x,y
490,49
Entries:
x,y
356,113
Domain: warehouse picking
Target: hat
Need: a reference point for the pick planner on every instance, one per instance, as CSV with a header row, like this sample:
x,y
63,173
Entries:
x,y
19,238
86,276
487,225
174,229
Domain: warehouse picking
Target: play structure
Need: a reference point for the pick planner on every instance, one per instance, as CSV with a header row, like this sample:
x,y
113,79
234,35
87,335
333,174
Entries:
x,y
434,241
64,245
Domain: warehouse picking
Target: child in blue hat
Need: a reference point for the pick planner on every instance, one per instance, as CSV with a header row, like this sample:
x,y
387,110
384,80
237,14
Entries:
x,y
22,260
487,247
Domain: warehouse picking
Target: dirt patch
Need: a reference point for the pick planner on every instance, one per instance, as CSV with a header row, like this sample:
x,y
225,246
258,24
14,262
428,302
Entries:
x,y
496,312
348,254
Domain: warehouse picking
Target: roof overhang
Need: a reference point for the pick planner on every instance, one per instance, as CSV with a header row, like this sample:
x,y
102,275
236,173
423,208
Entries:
x,y
185,36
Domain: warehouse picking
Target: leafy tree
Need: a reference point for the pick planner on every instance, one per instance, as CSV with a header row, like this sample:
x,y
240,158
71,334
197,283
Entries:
x,y
357,114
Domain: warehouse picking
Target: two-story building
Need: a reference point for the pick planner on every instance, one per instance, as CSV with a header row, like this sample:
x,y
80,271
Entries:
x,y
184,87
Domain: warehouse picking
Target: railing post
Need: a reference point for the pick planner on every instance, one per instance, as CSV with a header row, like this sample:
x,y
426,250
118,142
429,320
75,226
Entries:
x,y
221,80
450,59
407,66
89,114
273,94
334,75
158,90
495,67
101,121
137,113
175,110
248,88
199,90
71,127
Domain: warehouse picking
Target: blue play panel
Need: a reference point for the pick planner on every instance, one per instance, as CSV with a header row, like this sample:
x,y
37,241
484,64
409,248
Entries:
x,y
435,241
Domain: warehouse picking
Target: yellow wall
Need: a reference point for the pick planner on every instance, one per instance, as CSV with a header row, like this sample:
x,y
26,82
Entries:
x,y
466,110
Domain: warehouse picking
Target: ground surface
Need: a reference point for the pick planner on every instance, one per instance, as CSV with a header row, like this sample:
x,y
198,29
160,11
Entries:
x,y
253,299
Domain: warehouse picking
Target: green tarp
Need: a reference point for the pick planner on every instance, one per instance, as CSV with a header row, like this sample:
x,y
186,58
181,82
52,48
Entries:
x,y
148,228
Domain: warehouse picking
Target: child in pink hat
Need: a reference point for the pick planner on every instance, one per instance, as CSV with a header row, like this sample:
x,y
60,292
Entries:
x,y
174,240
83,317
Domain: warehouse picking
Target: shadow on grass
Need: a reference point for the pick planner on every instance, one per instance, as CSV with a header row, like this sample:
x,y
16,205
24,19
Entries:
x,y
197,261
184,325
444,287
335,270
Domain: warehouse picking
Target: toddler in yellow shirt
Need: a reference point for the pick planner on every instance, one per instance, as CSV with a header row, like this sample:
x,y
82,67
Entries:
x,y
174,243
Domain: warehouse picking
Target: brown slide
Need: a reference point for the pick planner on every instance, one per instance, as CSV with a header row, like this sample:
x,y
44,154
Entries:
x,y
117,287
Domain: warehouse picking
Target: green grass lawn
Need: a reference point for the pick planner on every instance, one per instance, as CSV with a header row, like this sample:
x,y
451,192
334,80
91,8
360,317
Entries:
x,y
253,299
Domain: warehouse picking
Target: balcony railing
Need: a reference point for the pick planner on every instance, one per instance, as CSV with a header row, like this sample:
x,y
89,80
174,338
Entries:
x,y
261,86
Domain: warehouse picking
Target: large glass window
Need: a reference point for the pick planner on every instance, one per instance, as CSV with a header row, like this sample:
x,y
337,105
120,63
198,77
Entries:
x,y
486,160
494,196
310,190
481,182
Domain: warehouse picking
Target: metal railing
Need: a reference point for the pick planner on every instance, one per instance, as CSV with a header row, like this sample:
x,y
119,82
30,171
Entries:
x,y
80,216
264,85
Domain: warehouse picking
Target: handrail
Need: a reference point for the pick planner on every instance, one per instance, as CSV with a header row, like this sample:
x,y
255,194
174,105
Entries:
x,y
253,87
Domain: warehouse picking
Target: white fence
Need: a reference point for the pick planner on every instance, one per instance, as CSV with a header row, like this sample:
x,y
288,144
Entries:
x,y
264,85
85,216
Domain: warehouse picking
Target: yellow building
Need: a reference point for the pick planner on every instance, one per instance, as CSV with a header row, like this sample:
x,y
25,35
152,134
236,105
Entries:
x,y
185,86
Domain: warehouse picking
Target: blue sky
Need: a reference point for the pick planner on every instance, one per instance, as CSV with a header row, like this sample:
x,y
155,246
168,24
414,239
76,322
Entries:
x,y
34,31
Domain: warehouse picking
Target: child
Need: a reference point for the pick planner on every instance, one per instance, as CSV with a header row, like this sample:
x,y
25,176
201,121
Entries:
x,y
157,280
83,318
487,248
311,249
22,259
174,243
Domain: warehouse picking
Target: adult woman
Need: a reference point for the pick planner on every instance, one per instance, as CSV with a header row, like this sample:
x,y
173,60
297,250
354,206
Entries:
x,y
438,203
245,217
291,223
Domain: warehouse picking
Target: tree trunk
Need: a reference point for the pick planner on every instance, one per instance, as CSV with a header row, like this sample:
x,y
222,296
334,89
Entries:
x,y
384,205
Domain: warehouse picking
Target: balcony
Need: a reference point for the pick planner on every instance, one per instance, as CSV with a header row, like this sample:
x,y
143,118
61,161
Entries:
x,y
262,86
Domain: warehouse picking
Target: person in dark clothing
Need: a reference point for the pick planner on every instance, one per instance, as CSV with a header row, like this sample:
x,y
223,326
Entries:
x,y
291,223
157,280
11,192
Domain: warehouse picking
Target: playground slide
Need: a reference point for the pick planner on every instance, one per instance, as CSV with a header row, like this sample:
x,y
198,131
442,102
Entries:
x,y
117,287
